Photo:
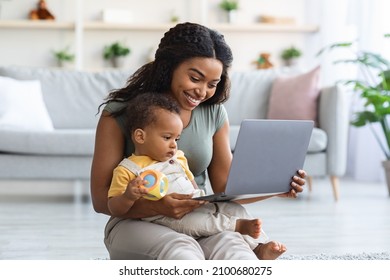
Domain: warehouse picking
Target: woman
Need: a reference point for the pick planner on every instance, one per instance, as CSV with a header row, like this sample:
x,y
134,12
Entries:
x,y
191,63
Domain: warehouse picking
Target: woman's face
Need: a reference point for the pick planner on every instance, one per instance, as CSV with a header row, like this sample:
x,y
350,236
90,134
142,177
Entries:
x,y
195,81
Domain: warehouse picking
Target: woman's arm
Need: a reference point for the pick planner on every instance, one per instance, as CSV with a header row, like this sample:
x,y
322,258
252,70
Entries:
x,y
109,146
218,169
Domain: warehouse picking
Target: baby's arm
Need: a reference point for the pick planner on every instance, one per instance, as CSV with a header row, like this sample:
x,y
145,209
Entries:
x,y
194,184
120,205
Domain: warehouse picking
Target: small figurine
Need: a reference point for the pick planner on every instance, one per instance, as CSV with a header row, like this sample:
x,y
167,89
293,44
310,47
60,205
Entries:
x,y
157,185
42,13
263,62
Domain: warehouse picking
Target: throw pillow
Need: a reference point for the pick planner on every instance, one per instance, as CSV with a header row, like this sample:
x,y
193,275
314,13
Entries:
x,y
22,106
295,97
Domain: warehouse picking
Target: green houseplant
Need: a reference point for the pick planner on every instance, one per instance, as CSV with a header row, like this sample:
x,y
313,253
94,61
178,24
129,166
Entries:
x,y
290,55
63,56
115,53
374,89
230,7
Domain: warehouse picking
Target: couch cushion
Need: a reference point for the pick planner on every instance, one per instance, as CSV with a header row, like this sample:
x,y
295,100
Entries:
x,y
318,140
79,142
22,106
72,97
249,94
295,97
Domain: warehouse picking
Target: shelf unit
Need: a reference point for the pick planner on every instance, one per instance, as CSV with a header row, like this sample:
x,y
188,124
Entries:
x,y
78,24
36,24
99,25
82,30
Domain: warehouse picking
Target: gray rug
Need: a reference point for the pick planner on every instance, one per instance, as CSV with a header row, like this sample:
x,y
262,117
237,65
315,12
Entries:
x,y
362,256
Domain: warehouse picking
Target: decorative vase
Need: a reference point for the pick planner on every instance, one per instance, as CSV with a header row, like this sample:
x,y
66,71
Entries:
x,y
291,61
232,16
64,64
118,61
386,166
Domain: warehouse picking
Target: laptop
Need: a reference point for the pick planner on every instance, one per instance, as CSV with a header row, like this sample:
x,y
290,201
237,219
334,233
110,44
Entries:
x,y
268,153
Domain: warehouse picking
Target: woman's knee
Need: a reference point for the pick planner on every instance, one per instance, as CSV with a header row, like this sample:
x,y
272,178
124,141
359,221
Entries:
x,y
178,246
131,239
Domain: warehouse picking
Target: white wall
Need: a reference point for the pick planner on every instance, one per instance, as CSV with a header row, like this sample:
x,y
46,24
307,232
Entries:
x,y
33,47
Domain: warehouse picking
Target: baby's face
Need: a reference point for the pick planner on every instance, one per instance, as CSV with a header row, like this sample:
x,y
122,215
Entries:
x,y
161,137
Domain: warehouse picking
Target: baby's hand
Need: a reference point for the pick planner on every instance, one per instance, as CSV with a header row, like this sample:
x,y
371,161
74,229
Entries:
x,y
135,190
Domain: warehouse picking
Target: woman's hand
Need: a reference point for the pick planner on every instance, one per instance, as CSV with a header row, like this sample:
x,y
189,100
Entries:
x,y
176,205
298,181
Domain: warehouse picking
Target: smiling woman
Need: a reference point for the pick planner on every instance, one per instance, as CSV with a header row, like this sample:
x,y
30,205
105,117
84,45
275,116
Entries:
x,y
191,65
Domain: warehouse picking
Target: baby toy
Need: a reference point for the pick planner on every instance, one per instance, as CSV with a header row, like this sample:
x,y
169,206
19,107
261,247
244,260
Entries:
x,y
157,185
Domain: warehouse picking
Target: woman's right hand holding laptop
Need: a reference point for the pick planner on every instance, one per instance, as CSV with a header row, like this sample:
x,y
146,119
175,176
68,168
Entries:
x,y
298,181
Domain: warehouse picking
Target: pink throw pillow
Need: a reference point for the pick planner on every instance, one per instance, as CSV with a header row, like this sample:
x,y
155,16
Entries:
x,y
295,98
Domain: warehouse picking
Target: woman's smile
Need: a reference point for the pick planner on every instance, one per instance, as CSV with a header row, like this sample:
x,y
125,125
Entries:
x,y
193,101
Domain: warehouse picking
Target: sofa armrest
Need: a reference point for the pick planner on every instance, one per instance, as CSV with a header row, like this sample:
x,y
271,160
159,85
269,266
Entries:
x,y
333,118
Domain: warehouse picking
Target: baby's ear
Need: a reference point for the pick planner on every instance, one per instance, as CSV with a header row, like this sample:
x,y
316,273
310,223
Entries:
x,y
139,136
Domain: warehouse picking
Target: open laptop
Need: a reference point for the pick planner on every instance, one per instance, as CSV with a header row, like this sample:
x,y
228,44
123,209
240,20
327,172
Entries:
x,y
267,155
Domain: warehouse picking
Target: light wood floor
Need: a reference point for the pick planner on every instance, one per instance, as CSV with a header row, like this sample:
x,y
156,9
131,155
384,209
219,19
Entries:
x,y
33,226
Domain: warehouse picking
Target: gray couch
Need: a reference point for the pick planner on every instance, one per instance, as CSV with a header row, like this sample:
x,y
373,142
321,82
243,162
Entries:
x,y
72,99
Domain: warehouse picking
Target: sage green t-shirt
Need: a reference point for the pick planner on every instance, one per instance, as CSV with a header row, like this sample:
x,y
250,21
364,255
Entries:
x,y
196,141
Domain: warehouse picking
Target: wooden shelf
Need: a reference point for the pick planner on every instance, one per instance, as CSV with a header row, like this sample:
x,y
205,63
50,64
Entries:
x,y
256,27
36,24
265,27
101,26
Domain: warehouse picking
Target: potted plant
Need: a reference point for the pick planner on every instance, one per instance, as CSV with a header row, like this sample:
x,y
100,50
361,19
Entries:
x,y
291,55
230,7
63,57
115,53
374,89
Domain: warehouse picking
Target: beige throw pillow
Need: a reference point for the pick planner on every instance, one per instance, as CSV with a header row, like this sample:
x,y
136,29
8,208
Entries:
x,y
295,97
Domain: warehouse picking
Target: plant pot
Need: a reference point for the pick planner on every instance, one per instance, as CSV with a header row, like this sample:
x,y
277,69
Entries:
x,y
232,16
291,61
386,166
118,61
63,64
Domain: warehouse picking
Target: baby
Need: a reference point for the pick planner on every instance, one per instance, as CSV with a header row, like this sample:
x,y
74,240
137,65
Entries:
x,y
155,127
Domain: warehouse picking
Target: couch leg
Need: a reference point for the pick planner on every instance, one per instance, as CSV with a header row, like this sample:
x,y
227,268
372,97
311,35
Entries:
x,y
79,194
335,185
309,183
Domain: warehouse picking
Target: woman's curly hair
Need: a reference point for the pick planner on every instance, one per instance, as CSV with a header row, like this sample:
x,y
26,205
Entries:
x,y
182,42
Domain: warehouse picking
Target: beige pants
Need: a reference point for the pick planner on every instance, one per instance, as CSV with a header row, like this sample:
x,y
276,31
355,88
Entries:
x,y
210,219
134,239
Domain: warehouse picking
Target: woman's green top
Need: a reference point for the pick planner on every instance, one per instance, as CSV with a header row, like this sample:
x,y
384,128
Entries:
x,y
196,140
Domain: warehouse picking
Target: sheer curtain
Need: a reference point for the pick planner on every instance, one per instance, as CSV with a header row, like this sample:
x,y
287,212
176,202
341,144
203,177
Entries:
x,y
346,20
372,22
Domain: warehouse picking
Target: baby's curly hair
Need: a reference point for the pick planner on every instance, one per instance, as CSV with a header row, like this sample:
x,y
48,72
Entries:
x,y
141,111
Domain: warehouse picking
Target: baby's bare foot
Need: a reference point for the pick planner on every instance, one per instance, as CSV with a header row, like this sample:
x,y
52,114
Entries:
x,y
269,251
249,227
